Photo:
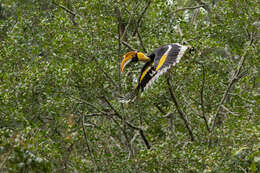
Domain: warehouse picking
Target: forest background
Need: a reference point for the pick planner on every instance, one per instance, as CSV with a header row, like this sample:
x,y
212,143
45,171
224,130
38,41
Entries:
x,y
60,86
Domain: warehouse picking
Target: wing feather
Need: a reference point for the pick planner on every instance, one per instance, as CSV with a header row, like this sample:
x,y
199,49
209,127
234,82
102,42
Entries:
x,y
172,56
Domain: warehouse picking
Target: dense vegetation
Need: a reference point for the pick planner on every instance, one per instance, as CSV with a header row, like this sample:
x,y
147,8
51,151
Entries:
x,y
60,87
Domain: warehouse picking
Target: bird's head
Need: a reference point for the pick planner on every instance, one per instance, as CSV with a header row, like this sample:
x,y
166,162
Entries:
x,y
133,56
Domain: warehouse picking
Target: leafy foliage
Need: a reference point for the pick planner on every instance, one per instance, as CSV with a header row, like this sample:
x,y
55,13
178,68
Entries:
x,y
60,87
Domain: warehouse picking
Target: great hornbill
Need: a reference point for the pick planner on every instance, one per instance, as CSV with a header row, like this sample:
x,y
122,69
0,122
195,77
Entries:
x,y
158,62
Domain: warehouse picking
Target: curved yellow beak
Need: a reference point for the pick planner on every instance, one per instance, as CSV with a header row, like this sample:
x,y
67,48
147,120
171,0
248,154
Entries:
x,y
127,58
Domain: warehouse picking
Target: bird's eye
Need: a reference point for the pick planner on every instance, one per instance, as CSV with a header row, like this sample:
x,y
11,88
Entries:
x,y
134,59
192,50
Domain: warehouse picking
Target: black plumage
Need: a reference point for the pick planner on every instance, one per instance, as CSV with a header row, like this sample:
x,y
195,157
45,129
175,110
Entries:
x,y
158,62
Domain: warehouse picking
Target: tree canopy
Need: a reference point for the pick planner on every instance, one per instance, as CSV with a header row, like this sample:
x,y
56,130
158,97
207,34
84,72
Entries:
x,y
60,87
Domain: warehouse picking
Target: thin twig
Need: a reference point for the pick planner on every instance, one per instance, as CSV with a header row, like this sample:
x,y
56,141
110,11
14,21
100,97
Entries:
x,y
129,124
231,83
105,73
5,159
97,114
244,99
204,5
191,107
225,108
181,113
127,45
148,146
141,40
202,98
119,116
128,23
134,138
89,104
194,17
87,142
141,16
66,9
171,124
188,8
159,108
131,152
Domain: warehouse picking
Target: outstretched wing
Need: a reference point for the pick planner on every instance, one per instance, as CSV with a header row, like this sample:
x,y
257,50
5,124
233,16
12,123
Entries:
x,y
170,57
165,57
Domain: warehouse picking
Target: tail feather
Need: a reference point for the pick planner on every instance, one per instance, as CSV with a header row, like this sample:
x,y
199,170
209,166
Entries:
x,y
131,96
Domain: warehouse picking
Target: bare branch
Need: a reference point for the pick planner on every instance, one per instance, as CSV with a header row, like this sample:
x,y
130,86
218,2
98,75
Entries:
x,y
6,158
66,9
141,40
159,108
244,99
87,143
226,109
97,114
141,16
202,98
148,146
121,26
195,111
180,31
134,138
120,40
126,137
129,124
181,113
231,83
188,8
194,17
106,74
89,104
171,124
119,47
127,45
119,16
204,5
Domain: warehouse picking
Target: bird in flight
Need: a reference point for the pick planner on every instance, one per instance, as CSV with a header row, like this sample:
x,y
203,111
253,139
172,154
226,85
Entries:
x,y
158,62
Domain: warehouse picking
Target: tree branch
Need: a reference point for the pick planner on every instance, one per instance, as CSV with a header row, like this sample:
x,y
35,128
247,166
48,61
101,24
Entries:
x,y
140,18
181,113
66,9
226,109
120,87
231,83
188,8
119,16
202,98
159,108
6,158
129,124
105,73
141,40
87,143
204,5
148,146
127,45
